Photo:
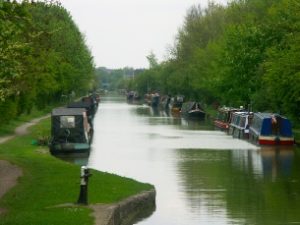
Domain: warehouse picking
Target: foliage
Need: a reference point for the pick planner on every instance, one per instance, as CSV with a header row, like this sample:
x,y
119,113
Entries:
x,y
43,56
113,79
282,77
244,53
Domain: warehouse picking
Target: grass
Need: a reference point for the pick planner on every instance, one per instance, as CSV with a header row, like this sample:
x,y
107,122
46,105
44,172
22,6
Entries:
x,y
48,182
296,132
9,128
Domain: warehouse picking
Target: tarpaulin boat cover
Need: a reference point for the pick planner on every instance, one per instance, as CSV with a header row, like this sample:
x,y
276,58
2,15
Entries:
x,y
68,125
87,105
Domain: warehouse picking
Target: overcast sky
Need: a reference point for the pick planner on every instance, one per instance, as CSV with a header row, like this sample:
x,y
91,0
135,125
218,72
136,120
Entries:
x,y
122,33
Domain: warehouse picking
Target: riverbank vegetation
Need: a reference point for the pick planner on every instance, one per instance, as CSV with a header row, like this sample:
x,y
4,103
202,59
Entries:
x,y
244,53
48,182
43,57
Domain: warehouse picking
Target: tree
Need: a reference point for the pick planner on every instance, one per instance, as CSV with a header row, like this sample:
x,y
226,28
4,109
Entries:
x,y
152,60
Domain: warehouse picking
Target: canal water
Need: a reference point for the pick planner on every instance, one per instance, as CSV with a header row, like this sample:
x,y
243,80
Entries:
x,y
202,176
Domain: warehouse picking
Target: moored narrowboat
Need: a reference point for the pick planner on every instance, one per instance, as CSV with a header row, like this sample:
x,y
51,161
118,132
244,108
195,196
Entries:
x,y
176,104
223,118
70,131
90,110
271,129
240,124
192,110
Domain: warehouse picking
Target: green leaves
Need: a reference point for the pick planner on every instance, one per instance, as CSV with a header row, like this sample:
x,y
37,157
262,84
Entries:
x,y
246,52
42,55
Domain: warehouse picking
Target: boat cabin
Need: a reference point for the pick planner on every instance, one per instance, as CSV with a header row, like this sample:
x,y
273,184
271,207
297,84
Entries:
x,y
70,130
90,110
240,124
224,117
271,129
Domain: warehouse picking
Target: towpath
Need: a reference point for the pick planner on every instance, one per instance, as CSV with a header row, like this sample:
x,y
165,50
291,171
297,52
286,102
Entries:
x,y
10,173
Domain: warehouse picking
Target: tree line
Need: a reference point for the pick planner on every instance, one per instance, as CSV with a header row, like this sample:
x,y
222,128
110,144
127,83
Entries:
x,y
246,52
43,57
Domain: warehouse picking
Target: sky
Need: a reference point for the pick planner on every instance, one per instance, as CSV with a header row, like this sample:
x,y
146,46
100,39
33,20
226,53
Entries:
x,y
121,33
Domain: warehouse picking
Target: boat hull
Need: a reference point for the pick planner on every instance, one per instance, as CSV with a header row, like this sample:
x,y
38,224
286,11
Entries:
x,y
238,132
221,125
69,148
195,115
272,140
275,140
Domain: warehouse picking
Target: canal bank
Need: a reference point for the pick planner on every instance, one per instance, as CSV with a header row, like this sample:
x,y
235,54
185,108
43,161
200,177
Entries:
x,y
127,211
42,183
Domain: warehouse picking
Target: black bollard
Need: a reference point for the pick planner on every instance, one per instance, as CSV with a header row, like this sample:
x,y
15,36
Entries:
x,y
84,178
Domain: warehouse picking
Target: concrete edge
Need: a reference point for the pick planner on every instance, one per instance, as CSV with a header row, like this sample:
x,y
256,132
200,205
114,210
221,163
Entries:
x,y
126,211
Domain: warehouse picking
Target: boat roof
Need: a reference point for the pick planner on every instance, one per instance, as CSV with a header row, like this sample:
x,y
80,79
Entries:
x,y
242,113
190,105
228,109
68,111
268,115
79,105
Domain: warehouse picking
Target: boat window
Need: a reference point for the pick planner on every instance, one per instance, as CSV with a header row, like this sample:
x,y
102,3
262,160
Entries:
x,y
234,119
257,123
243,121
67,122
237,119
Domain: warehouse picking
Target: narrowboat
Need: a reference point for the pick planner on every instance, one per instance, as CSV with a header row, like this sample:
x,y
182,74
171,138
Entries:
x,y
91,100
133,97
90,110
70,131
271,129
155,99
192,110
224,116
240,124
165,102
176,104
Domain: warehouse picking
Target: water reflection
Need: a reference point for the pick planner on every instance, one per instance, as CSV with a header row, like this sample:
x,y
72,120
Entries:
x,y
235,185
277,163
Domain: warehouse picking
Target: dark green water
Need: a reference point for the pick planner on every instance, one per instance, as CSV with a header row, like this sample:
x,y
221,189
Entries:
x,y
202,176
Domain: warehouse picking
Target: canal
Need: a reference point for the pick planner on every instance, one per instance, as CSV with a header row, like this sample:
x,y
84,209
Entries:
x,y
201,176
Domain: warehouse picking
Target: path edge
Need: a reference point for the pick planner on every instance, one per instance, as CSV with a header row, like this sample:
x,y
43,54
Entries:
x,y
126,211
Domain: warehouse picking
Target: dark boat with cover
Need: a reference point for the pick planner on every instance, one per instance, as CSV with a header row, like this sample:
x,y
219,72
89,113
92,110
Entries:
x,y
70,130
90,109
192,110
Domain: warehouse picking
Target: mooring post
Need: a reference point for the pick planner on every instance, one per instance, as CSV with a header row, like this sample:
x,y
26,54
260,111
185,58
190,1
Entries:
x,y
84,178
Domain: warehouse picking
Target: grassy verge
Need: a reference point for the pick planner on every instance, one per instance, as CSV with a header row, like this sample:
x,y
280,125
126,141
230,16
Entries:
x,y
9,128
296,132
48,182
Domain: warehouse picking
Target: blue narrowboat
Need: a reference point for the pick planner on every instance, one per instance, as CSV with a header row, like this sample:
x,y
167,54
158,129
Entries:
x,y
271,129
